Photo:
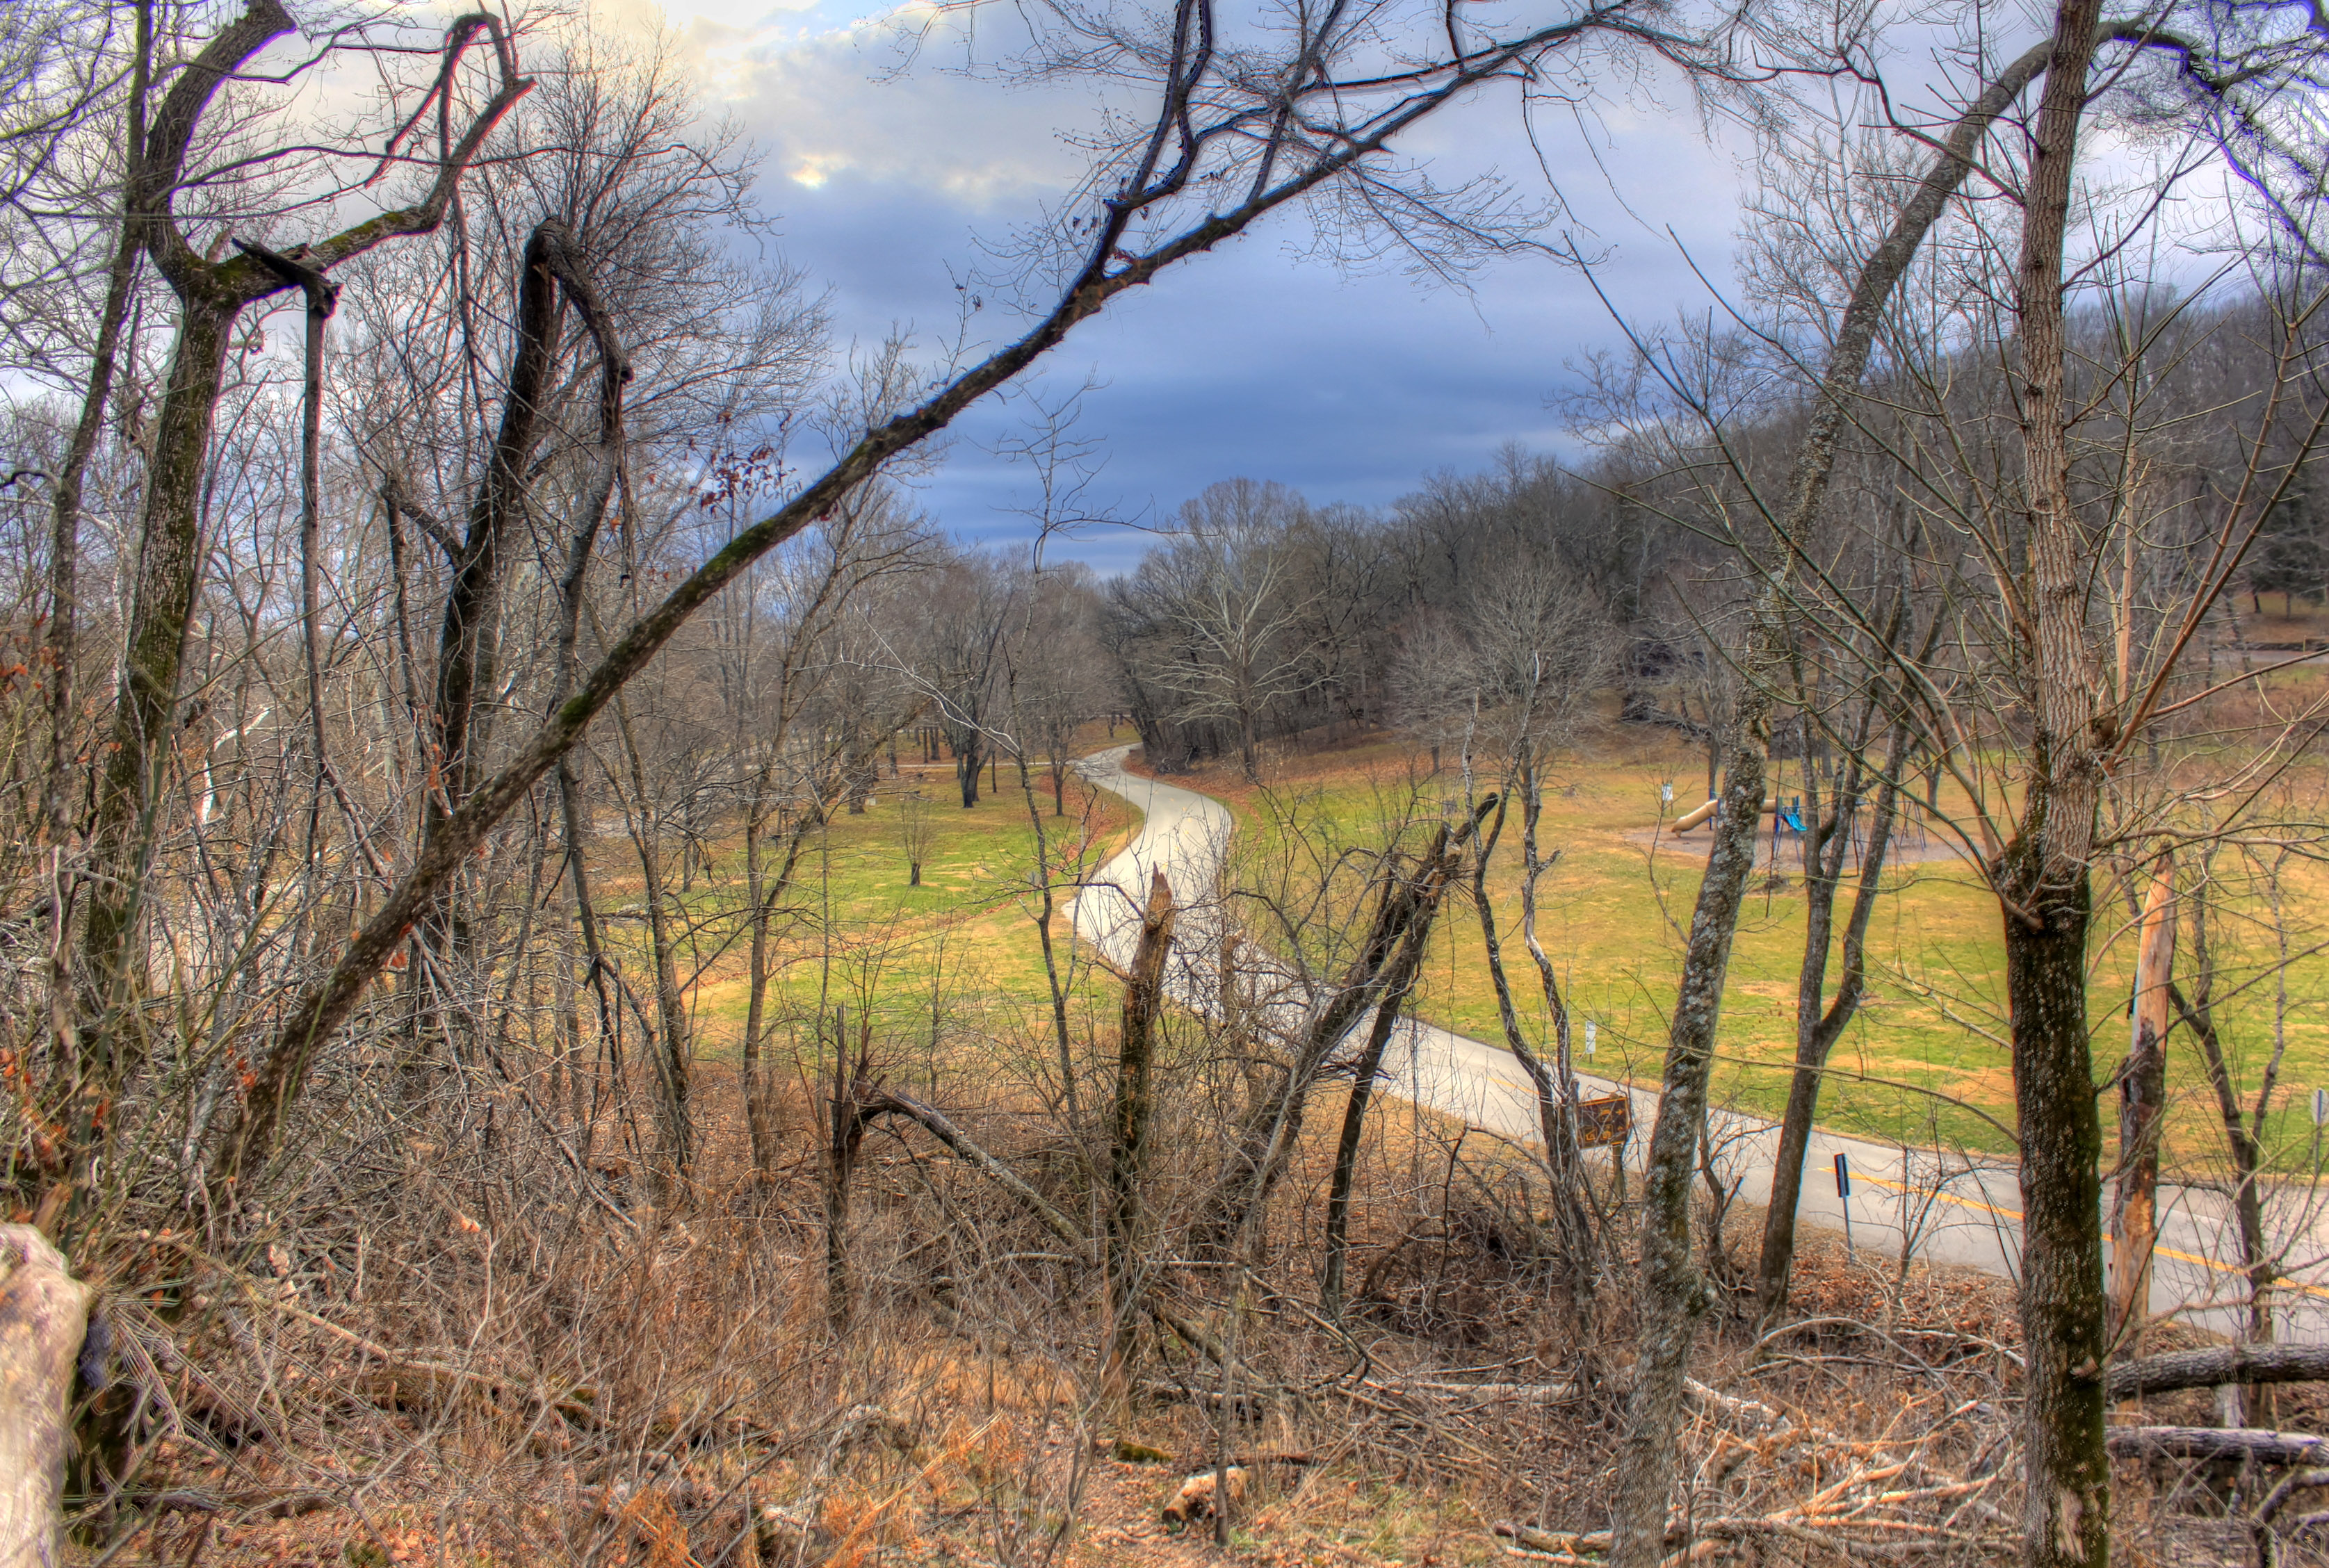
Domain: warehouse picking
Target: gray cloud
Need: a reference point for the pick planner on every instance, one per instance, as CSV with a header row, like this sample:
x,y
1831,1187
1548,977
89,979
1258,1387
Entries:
x,y
1255,360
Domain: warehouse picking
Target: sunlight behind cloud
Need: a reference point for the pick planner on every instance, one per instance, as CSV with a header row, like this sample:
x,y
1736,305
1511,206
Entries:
x,y
833,91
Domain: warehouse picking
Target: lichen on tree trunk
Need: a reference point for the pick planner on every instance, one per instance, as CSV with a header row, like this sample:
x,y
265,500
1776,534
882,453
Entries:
x,y
2068,1473
1673,1295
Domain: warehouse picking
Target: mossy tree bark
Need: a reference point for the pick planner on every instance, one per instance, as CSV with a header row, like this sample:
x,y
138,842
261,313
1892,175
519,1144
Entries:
x,y
2042,879
212,296
1674,1294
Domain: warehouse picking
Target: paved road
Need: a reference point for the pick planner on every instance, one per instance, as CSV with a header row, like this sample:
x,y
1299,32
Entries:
x,y
1953,1209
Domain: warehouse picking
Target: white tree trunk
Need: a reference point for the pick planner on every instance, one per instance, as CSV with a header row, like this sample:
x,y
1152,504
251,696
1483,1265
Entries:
x,y
43,1315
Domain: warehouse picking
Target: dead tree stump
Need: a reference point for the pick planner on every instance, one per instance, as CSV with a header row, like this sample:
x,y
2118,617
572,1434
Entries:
x,y
43,1316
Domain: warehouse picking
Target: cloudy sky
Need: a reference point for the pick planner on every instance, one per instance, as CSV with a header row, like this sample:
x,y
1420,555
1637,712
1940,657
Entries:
x,y
1255,361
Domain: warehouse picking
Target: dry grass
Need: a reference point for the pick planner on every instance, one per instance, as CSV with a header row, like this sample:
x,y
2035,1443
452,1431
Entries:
x,y
620,1395
468,1346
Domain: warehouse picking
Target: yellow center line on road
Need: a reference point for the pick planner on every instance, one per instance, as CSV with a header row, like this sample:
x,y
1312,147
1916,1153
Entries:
x,y
2181,1257
1945,1197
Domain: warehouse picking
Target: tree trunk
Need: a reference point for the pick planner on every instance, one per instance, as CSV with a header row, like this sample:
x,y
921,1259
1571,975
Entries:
x,y
169,569
1399,981
1046,910
1399,974
1575,1208
2043,886
2066,1523
2142,1094
758,1111
1819,1023
468,643
2242,1141
675,1053
845,1130
65,503
1540,1077
1673,1295
1555,1087
966,767
61,643
1135,1109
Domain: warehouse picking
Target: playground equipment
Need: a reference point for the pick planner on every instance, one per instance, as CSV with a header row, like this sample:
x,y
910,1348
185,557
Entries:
x,y
1791,817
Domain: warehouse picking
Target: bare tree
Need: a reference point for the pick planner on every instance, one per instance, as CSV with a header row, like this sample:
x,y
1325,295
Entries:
x,y
2040,578
973,605
917,831
1675,1292
1231,602
211,295
1533,648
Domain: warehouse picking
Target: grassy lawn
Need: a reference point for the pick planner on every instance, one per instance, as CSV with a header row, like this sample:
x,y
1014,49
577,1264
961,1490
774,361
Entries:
x,y
961,950
1925,1059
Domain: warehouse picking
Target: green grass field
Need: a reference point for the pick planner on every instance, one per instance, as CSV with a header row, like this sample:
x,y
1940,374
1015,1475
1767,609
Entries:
x,y
1924,1060
961,950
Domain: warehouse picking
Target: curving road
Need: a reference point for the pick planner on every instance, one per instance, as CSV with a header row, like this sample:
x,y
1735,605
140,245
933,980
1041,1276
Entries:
x,y
1953,1211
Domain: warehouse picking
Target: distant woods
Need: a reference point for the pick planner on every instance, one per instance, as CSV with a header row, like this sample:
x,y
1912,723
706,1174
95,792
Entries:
x,y
1266,614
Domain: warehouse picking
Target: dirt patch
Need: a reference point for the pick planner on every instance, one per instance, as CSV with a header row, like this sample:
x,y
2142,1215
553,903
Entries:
x,y
1912,849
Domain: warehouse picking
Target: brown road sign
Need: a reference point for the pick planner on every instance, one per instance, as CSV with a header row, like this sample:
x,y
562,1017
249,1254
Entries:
x,y
1603,1123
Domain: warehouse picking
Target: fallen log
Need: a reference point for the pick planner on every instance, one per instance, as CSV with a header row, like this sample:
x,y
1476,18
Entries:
x,y
1567,1543
2215,1365
2210,1442
406,1385
1523,1392
1750,1412
881,1102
